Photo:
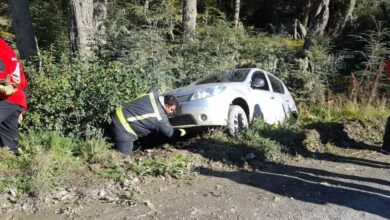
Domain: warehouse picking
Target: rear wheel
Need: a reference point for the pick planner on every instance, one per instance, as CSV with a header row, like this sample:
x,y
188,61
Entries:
x,y
237,120
293,118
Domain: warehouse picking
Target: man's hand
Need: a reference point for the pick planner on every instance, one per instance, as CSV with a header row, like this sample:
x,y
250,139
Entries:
x,y
7,89
182,132
20,118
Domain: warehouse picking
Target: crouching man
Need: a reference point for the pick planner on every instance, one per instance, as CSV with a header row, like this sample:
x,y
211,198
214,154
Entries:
x,y
141,117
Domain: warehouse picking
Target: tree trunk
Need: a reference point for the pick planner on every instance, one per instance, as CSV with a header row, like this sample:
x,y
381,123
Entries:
x,y
319,17
146,4
99,17
385,9
304,11
189,20
86,22
345,16
24,31
236,13
299,30
318,21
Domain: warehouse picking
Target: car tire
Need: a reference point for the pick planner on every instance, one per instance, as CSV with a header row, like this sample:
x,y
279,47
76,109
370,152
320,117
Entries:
x,y
293,118
237,120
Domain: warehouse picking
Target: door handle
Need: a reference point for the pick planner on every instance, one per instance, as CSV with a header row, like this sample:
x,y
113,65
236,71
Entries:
x,y
272,97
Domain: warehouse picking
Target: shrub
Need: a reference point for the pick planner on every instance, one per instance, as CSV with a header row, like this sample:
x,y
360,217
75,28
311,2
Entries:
x,y
72,96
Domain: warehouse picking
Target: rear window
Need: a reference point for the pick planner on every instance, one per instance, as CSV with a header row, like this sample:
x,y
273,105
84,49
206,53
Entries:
x,y
231,76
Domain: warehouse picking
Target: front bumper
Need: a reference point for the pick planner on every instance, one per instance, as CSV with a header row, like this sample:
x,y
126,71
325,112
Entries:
x,y
211,111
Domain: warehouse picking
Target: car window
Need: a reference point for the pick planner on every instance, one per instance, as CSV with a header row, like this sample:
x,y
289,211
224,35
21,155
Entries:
x,y
231,76
261,75
277,85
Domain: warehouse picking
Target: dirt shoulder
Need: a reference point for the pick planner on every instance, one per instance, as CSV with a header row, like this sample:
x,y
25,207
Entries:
x,y
333,187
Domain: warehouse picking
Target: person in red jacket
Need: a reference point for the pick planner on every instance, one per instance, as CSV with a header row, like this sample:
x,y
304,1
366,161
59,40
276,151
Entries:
x,y
388,67
13,96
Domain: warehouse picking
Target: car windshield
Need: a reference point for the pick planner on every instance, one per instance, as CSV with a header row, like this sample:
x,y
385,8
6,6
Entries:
x,y
231,76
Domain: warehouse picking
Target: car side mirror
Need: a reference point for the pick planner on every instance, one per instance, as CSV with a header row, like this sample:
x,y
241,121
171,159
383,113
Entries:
x,y
258,83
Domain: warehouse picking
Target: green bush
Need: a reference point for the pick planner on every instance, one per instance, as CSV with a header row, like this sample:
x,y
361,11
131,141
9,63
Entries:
x,y
72,96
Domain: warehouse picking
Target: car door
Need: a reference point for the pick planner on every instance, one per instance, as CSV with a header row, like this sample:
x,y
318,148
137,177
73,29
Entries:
x,y
278,91
288,102
264,103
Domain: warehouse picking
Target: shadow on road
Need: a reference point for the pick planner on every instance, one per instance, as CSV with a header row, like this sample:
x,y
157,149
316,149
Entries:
x,y
318,186
296,144
304,185
337,134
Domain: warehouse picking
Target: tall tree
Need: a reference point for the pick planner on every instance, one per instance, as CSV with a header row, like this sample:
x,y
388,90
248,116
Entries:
x,y
303,7
189,20
319,17
24,31
346,10
236,12
318,20
86,22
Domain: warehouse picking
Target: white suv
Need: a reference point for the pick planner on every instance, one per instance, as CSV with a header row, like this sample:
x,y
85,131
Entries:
x,y
233,99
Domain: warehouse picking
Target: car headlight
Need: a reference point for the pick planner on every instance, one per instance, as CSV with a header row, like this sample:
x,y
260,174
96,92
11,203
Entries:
x,y
208,92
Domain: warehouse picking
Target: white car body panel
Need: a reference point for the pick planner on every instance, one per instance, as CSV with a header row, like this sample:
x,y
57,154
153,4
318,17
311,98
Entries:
x,y
272,106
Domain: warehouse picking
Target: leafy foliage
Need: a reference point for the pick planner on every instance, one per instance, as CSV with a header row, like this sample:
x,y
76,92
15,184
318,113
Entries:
x,y
50,15
76,97
369,81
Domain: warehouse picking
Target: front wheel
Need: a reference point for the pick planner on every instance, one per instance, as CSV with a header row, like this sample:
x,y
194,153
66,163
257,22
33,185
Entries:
x,y
237,120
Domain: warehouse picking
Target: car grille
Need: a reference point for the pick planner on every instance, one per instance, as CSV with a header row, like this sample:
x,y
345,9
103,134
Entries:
x,y
183,98
182,120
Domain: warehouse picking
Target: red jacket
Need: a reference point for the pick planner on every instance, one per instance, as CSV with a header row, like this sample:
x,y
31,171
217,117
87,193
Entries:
x,y
11,66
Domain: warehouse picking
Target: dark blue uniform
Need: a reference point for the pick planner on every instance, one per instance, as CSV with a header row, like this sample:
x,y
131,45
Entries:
x,y
139,118
9,116
386,136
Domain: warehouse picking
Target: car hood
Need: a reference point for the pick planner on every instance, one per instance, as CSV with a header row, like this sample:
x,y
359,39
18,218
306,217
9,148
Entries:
x,y
189,90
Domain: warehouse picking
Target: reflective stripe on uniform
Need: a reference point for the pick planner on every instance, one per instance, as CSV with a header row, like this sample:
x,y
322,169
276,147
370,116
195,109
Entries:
x,y
155,109
156,113
141,117
123,121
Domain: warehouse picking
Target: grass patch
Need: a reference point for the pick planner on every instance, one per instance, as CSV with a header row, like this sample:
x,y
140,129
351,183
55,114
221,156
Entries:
x,y
342,110
49,161
219,146
176,166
